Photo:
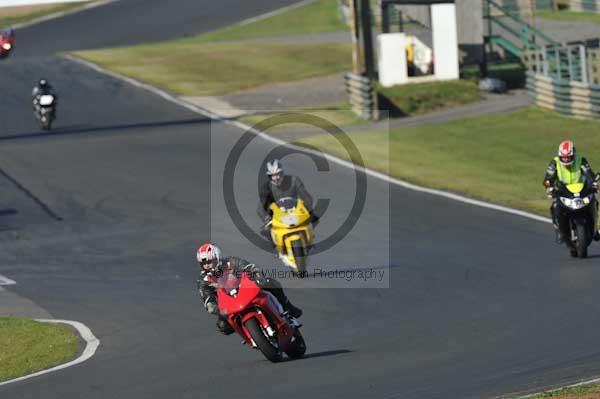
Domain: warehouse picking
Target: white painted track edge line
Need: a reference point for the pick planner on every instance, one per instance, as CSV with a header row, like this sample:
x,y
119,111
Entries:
x,y
329,157
553,390
92,344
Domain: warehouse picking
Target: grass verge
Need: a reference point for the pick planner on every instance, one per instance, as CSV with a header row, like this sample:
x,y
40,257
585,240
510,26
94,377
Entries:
x,y
566,15
321,16
421,98
15,15
500,158
27,346
590,391
217,68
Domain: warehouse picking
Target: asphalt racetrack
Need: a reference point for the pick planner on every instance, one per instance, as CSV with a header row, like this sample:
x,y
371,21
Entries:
x,y
101,217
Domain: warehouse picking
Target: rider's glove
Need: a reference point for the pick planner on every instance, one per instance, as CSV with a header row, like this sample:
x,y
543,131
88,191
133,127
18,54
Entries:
x,y
549,192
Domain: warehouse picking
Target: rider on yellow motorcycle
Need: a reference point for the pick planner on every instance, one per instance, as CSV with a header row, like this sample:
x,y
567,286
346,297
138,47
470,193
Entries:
x,y
279,186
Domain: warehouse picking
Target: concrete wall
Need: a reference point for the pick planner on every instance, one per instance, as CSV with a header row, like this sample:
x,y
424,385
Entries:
x,y
469,19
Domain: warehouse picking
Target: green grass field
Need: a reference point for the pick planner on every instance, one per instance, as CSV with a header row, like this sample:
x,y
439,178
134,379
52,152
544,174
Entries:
x,y
199,69
27,346
421,98
566,15
321,16
501,158
9,17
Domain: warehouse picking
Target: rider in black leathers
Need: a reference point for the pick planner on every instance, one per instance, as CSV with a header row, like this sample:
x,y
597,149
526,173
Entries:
x,y
279,186
41,89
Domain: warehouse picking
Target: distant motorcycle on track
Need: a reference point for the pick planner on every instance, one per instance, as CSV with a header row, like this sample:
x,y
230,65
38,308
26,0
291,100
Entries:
x,y
7,43
576,206
44,108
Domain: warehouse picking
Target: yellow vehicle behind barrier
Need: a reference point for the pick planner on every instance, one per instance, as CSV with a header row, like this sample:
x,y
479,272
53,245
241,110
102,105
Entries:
x,y
292,232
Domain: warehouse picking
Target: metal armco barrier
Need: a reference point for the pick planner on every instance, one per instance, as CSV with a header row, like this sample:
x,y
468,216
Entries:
x,y
363,96
564,96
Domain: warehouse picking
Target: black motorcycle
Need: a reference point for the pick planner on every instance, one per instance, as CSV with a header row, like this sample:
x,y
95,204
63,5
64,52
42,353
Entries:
x,y
576,205
44,107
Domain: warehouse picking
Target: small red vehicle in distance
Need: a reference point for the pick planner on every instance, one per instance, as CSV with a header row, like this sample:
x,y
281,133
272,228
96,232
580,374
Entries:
x,y
7,42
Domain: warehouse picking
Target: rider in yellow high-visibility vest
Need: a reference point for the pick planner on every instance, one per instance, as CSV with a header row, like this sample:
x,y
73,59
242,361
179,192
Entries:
x,y
568,168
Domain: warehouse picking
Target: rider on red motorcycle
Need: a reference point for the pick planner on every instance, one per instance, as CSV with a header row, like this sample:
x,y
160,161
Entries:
x,y
7,39
213,265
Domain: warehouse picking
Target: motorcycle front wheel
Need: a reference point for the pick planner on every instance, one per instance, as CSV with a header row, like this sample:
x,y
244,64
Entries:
x,y
263,342
582,240
299,256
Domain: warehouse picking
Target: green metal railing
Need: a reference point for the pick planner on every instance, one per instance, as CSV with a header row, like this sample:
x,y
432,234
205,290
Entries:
x,y
528,38
567,63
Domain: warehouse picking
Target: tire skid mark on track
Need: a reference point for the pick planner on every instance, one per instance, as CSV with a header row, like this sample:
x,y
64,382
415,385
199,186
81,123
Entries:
x,y
46,208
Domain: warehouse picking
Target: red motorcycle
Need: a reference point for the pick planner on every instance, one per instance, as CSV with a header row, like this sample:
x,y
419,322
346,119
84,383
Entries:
x,y
256,316
7,39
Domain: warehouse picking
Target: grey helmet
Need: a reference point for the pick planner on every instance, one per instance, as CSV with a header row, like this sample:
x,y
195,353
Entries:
x,y
274,167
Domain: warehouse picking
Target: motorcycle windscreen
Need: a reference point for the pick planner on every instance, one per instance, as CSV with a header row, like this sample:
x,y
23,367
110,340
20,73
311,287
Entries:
x,y
243,295
46,100
289,214
575,187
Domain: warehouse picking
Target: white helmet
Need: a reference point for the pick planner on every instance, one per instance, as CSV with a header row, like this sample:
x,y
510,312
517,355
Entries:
x,y
274,167
208,254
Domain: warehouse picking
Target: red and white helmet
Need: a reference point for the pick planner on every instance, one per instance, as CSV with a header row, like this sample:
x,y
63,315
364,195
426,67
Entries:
x,y
566,152
208,256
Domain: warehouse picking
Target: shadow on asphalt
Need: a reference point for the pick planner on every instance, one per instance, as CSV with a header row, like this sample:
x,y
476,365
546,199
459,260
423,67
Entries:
x,y
8,211
323,354
75,130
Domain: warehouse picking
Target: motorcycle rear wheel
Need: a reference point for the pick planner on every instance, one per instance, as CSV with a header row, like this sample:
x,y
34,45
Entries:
x,y
264,344
46,122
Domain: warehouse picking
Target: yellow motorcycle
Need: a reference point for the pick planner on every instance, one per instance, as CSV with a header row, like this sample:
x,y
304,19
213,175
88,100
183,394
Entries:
x,y
292,232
